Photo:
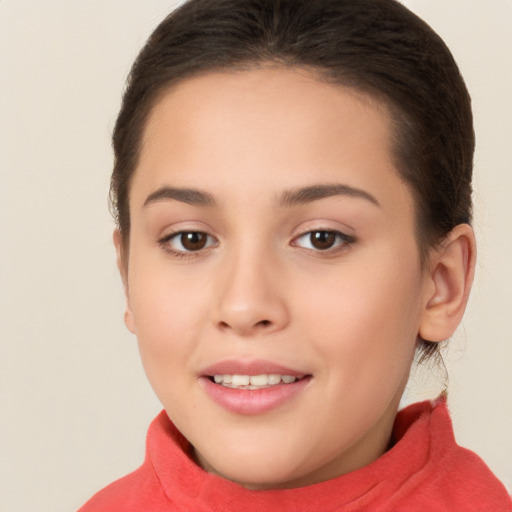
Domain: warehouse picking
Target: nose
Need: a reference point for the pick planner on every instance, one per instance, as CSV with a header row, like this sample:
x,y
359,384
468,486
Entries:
x,y
251,298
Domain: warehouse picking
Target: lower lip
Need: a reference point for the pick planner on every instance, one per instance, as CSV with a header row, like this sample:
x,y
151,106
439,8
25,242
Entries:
x,y
253,401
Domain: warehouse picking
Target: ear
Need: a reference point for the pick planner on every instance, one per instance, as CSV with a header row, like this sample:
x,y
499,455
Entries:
x,y
451,272
122,265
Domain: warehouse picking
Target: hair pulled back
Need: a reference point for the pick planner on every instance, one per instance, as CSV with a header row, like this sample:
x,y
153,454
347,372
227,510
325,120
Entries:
x,y
374,46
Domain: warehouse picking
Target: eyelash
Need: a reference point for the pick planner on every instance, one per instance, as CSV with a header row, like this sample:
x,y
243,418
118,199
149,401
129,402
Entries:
x,y
165,243
342,241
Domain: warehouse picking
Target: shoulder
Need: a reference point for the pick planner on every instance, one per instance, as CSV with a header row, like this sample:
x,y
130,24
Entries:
x,y
461,481
455,478
461,476
139,491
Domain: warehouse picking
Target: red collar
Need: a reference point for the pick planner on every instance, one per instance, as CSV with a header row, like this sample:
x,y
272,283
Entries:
x,y
406,462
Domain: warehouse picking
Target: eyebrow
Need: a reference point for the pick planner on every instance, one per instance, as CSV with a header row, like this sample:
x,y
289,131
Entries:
x,y
289,198
185,195
315,192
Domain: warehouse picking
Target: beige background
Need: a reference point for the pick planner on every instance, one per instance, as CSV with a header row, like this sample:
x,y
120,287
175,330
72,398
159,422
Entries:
x,y
74,402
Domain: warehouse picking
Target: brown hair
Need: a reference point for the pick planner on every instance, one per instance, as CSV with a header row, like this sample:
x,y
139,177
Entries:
x,y
375,46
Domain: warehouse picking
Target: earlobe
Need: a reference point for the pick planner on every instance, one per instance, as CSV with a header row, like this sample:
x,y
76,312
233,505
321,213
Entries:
x,y
450,277
122,266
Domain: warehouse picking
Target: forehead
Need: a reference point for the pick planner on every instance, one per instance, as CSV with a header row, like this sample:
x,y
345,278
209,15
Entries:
x,y
271,126
225,96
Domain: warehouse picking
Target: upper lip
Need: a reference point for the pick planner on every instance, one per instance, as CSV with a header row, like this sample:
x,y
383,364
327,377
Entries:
x,y
249,367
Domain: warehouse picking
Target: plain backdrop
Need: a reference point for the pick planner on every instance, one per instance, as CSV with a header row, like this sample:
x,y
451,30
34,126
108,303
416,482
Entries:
x,y
74,401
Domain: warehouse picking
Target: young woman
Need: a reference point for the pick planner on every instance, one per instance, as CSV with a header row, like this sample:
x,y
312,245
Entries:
x,y
292,188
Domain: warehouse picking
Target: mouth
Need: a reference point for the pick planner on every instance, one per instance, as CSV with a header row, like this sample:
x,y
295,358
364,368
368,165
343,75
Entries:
x,y
252,382
253,387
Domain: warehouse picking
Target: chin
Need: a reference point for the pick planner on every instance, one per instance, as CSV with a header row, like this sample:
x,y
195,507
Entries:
x,y
252,472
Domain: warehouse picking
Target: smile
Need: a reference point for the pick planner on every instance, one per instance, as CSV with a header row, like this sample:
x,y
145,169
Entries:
x,y
254,381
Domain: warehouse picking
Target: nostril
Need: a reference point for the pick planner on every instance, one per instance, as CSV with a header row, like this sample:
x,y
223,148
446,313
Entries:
x,y
246,325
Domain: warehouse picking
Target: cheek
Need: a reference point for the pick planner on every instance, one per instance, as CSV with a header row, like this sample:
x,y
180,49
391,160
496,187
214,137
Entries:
x,y
167,322
368,314
167,314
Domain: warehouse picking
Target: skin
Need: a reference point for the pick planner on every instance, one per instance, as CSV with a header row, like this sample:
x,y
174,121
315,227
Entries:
x,y
349,315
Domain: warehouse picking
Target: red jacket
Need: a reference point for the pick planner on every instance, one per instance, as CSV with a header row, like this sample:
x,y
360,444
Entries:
x,y
424,471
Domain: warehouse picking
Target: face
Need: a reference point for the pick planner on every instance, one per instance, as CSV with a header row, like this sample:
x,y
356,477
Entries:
x,y
273,279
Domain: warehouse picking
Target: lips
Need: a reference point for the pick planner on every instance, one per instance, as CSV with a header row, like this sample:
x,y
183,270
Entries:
x,y
252,367
253,381
252,387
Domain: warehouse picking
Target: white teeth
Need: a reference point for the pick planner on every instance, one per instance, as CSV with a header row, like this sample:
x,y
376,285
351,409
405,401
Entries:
x,y
259,380
240,380
274,378
253,381
226,379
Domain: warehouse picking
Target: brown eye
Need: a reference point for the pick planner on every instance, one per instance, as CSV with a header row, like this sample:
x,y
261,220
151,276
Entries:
x,y
187,241
194,241
322,240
